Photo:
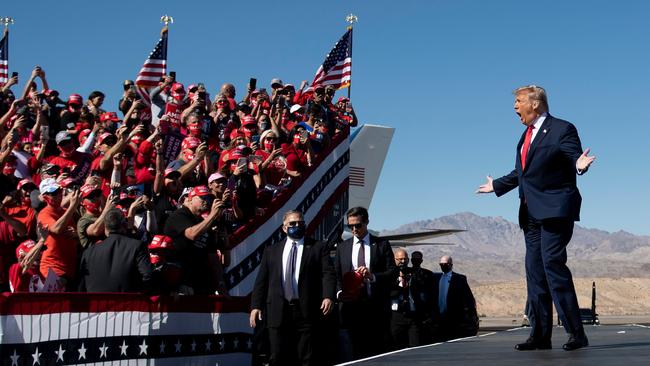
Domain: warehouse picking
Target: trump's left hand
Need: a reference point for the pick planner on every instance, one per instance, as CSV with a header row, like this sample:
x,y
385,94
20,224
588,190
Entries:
x,y
584,161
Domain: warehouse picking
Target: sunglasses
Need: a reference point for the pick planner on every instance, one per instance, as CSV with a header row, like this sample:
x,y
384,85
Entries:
x,y
355,226
270,138
295,223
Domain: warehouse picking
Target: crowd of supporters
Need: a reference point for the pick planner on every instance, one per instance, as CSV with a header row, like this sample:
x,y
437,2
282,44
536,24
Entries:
x,y
161,185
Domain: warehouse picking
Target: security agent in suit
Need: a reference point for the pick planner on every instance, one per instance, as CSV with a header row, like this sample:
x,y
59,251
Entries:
x,y
455,309
411,297
548,156
295,285
367,315
117,264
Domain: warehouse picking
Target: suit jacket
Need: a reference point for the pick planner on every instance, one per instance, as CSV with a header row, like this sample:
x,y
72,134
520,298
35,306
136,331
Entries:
x,y
316,281
382,265
420,285
117,264
461,306
548,183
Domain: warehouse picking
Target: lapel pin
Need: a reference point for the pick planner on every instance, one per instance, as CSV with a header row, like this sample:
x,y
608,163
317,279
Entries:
x,y
544,131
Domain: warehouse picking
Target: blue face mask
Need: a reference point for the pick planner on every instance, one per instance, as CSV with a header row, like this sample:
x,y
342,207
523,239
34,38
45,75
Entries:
x,y
296,232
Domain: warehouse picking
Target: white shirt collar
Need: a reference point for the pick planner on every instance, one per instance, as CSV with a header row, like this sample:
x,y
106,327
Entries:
x,y
539,121
298,242
366,239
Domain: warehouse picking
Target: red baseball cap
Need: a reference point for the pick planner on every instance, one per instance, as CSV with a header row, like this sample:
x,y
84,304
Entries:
x,y
75,99
190,142
170,171
236,133
66,182
199,191
24,248
84,133
104,136
248,120
25,182
161,242
108,116
89,189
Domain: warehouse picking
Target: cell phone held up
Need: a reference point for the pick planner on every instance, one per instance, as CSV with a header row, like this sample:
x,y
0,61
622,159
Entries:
x,y
252,83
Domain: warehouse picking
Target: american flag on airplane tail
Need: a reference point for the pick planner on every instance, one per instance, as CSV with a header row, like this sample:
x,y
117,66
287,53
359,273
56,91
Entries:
x,y
336,70
357,176
4,59
154,68
123,329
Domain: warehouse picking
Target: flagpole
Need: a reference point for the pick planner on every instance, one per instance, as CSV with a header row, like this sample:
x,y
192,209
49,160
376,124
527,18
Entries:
x,y
351,19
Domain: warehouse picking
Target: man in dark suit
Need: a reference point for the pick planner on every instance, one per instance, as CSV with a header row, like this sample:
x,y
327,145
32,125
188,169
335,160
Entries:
x,y
411,298
549,155
117,264
455,308
365,311
294,286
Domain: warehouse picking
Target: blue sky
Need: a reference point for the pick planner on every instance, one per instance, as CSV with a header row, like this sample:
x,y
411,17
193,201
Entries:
x,y
440,72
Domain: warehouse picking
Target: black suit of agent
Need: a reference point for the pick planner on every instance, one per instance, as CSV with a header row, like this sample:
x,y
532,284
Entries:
x,y
460,318
367,318
291,323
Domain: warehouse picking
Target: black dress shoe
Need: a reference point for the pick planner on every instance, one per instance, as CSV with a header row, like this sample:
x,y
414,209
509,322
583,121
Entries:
x,y
576,342
533,344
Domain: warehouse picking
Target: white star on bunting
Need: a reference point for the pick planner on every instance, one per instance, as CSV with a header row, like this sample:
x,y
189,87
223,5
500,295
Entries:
x,y
59,353
162,347
123,348
14,358
143,347
103,351
208,345
37,357
82,351
193,345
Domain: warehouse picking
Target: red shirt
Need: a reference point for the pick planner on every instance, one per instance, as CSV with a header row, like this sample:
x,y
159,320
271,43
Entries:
x,y
272,173
20,281
78,163
61,252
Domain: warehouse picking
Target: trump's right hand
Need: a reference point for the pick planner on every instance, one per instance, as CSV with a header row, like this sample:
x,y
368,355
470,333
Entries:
x,y
487,187
256,314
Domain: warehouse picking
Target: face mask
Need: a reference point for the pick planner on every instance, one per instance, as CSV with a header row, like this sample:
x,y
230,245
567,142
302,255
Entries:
x,y
27,201
8,170
445,267
268,146
403,266
296,139
92,207
264,126
296,232
416,262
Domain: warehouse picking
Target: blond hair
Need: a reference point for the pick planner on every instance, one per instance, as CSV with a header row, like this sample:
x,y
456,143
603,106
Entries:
x,y
534,93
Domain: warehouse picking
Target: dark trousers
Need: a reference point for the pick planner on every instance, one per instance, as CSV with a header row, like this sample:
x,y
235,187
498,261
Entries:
x,y
292,343
548,278
405,330
368,325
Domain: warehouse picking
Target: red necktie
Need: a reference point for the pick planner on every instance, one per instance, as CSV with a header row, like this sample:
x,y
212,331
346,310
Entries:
x,y
526,146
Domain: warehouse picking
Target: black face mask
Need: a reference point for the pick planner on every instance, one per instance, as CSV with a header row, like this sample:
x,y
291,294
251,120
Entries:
x,y
296,232
403,267
416,263
445,267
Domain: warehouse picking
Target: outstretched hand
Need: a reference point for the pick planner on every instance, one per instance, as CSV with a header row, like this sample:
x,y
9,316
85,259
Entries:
x,y
487,187
584,161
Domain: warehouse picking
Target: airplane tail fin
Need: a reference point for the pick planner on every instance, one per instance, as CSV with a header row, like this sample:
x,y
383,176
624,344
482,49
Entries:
x,y
368,149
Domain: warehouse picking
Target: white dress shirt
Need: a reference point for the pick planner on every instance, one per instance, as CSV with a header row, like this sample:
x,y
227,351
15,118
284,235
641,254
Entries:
x,y
285,260
536,126
355,251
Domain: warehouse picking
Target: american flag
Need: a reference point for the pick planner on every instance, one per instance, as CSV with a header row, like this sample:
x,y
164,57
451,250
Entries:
x,y
4,59
337,67
155,67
